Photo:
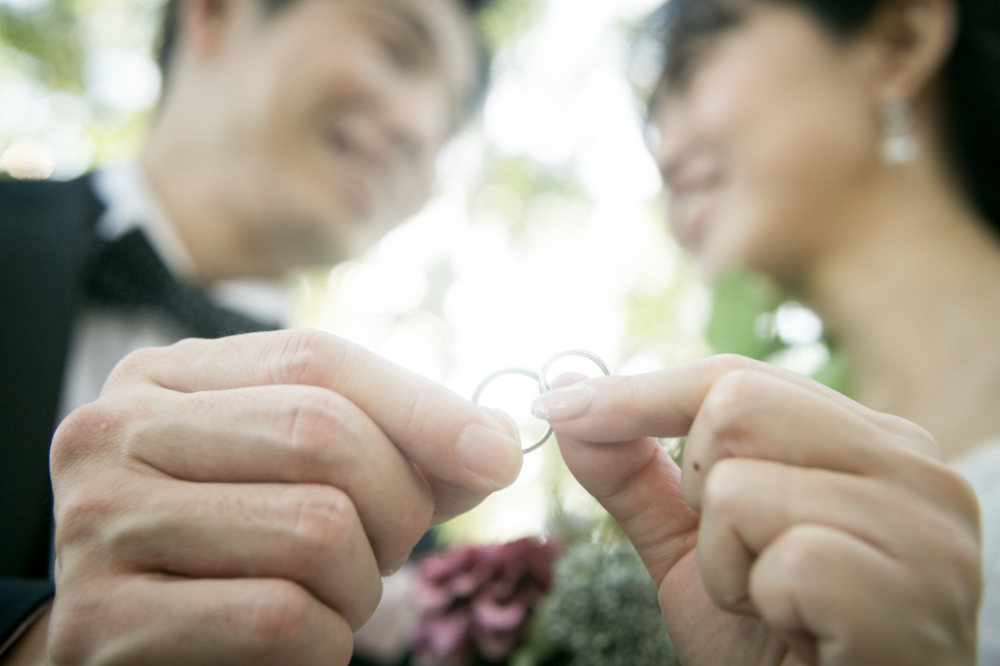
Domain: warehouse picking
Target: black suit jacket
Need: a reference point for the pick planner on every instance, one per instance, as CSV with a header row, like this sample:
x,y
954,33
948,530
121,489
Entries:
x,y
46,236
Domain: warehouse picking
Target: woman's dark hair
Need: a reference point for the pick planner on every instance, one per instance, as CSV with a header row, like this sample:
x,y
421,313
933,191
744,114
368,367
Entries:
x,y
971,75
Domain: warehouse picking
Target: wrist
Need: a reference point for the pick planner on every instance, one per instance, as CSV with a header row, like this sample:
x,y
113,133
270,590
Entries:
x,y
28,649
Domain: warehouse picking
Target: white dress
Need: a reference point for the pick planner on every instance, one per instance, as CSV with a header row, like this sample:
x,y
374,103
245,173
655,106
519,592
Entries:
x,y
982,469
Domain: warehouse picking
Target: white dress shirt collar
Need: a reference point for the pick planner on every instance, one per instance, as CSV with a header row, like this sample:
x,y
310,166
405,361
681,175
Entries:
x,y
130,203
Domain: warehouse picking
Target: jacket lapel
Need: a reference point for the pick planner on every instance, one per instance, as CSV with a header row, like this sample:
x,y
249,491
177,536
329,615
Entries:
x,y
46,235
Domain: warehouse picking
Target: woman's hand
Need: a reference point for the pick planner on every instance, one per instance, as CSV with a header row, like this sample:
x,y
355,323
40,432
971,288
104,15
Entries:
x,y
804,528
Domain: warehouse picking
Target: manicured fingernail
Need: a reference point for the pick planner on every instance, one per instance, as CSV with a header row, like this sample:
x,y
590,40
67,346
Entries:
x,y
563,404
491,455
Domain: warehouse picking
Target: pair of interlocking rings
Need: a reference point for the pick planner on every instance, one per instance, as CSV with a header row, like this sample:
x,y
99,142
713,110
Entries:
x,y
542,379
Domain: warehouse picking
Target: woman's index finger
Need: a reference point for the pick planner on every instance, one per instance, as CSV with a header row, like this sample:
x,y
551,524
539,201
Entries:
x,y
664,403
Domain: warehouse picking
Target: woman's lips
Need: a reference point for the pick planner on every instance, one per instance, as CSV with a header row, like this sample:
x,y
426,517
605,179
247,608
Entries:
x,y
693,180
689,213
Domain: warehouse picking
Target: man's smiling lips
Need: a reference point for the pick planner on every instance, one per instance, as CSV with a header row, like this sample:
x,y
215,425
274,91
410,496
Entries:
x,y
365,170
690,210
358,189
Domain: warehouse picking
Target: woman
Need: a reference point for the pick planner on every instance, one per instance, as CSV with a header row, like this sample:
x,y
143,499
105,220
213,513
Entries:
x,y
851,150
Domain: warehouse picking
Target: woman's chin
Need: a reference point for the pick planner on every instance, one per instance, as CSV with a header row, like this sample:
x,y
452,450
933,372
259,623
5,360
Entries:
x,y
712,267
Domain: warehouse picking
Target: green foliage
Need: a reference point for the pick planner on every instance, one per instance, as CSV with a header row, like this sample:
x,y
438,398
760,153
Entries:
x,y
48,59
48,43
739,302
603,610
502,21
836,374
743,312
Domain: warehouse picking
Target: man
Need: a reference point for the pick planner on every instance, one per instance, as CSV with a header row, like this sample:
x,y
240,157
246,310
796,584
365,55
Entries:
x,y
290,132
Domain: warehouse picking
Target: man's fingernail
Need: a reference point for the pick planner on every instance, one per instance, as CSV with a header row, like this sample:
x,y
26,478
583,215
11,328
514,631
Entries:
x,y
506,422
491,455
563,404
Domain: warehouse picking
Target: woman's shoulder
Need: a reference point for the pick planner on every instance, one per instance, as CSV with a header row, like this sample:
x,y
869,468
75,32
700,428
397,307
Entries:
x,y
981,468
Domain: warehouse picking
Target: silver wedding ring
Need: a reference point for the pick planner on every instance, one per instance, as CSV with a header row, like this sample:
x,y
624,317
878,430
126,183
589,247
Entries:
x,y
543,382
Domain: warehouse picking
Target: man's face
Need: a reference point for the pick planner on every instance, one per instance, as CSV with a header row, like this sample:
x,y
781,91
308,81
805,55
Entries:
x,y
334,112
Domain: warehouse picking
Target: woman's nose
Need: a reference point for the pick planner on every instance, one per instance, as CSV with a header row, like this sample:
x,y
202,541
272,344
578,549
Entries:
x,y
667,136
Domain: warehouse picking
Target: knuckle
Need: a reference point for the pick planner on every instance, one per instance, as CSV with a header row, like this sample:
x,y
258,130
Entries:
x,y
73,626
723,364
67,642
308,357
280,614
728,596
800,556
913,437
923,442
77,433
729,402
296,357
82,513
723,485
321,417
421,403
949,490
323,518
135,366
920,435
189,347
798,575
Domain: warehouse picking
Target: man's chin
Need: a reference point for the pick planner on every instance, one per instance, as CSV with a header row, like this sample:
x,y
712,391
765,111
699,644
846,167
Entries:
x,y
286,247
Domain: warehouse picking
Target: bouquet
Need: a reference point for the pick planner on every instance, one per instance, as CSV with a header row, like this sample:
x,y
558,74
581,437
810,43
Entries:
x,y
532,603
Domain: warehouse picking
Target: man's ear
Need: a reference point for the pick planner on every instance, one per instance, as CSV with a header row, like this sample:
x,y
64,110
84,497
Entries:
x,y
203,25
913,40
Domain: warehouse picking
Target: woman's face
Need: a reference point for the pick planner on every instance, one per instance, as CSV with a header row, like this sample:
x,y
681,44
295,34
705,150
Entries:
x,y
767,142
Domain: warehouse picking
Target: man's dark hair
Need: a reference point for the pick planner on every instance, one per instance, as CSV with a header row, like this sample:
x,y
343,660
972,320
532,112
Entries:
x,y
168,39
970,75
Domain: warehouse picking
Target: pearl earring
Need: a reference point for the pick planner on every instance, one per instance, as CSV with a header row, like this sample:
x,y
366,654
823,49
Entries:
x,y
899,146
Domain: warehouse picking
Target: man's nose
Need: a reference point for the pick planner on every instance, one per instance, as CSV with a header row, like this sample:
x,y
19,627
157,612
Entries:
x,y
416,119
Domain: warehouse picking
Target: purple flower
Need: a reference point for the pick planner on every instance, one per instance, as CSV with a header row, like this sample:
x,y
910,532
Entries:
x,y
476,600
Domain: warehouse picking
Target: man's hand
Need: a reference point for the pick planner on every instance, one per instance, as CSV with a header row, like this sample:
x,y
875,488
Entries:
x,y
804,529
237,501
